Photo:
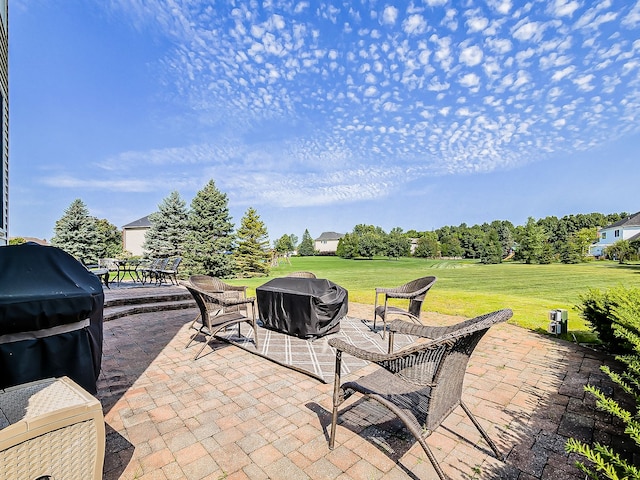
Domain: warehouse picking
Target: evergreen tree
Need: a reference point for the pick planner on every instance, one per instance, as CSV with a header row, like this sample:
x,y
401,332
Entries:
x,y
209,241
109,239
169,228
252,252
76,233
307,247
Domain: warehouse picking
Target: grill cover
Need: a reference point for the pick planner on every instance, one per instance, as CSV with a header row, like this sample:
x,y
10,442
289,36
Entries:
x,y
304,307
51,312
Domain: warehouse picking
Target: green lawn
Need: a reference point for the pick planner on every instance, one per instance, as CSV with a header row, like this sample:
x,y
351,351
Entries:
x,y
469,288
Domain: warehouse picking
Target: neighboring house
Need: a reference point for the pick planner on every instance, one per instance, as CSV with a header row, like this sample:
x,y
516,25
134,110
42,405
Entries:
x,y
328,242
626,229
133,235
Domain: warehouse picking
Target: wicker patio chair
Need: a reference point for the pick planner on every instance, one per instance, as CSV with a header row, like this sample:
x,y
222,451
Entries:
x,y
215,285
219,310
414,291
302,275
420,384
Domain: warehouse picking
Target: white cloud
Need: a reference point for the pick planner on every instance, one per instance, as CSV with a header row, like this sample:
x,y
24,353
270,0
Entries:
x,y
500,45
469,80
477,24
443,51
501,6
389,15
415,25
528,30
471,56
560,74
564,8
632,19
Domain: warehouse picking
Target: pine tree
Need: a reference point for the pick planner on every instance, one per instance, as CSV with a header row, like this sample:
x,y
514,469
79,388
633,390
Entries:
x,y
209,240
252,254
76,233
169,227
307,247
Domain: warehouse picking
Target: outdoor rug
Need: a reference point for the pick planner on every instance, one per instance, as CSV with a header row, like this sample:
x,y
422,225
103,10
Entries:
x,y
315,357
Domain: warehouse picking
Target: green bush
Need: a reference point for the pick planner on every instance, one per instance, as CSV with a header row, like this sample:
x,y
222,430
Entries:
x,y
596,308
623,306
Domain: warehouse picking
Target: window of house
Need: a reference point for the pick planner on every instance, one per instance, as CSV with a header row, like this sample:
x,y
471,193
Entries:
x,y
604,235
616,233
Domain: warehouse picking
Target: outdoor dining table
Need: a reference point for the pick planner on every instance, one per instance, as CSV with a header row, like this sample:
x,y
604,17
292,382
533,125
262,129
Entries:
x,y
303,307
128,266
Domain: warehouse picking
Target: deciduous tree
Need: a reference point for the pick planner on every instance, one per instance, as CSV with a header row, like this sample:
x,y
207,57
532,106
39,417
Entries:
x,y
109,239
398,245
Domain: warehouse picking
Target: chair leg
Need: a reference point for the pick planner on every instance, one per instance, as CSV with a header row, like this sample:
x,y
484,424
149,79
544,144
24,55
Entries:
x,y
206,342
432,458
493,446
336,399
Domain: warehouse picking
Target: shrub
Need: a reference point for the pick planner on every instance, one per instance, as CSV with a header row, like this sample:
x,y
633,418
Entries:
x,y
597,310
604,461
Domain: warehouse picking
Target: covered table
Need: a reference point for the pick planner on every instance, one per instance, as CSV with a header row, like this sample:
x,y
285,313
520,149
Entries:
x,y
304,307
51,312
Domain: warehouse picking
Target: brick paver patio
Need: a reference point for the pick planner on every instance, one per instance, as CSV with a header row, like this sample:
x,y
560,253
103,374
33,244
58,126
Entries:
x,y
233,415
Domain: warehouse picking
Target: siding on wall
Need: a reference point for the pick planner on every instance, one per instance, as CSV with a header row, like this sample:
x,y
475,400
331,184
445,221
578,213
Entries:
x,y
4,122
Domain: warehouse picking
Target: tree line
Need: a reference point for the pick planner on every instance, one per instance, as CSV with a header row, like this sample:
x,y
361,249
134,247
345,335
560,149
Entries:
x,y
542,241
204,236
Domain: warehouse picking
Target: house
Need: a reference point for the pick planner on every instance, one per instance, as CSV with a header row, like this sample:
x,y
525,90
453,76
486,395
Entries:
x,y
327,243
133,235
626,229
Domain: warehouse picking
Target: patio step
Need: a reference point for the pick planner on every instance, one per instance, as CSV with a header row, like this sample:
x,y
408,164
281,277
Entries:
x,y
121,307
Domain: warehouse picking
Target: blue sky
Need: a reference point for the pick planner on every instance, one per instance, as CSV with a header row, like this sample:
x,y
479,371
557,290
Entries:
x,y
324,115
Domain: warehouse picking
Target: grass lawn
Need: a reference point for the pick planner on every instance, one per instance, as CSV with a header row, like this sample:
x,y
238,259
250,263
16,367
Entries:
x,y
469,288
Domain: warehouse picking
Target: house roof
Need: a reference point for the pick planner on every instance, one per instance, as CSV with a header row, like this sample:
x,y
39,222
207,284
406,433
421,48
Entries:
x,y
140,223
630,221
330,236
635,238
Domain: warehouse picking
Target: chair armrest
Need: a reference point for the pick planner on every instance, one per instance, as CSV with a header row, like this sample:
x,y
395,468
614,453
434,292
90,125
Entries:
x,y
238,301
354,351
408,328
239,288
385,290
395,294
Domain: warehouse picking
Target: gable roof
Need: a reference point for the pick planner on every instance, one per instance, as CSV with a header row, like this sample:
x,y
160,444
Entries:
x,y
330,236
630,221
140,223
